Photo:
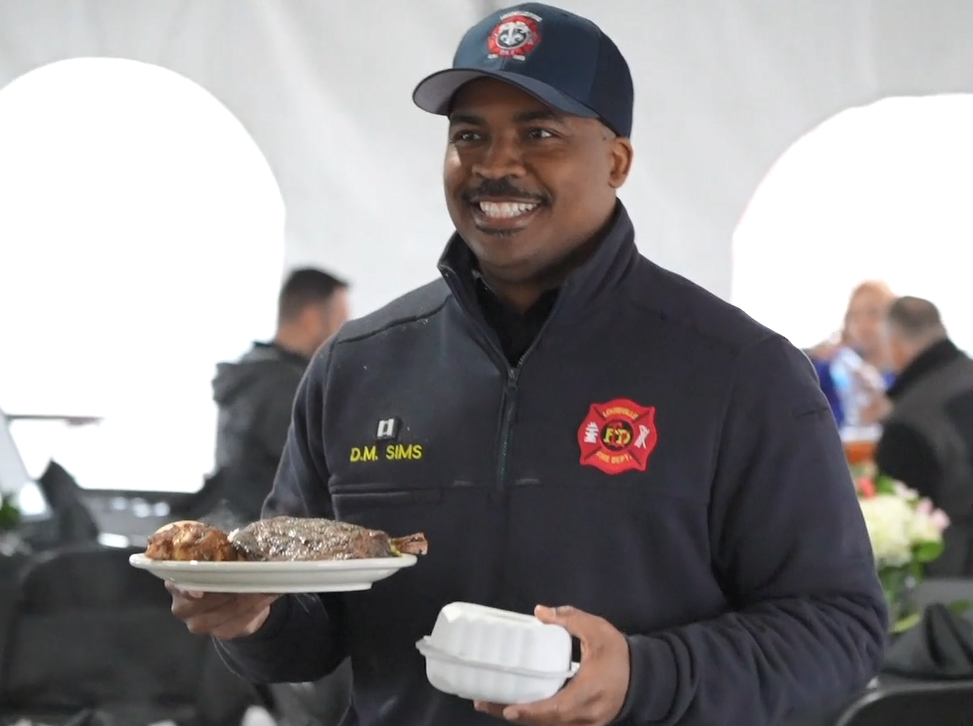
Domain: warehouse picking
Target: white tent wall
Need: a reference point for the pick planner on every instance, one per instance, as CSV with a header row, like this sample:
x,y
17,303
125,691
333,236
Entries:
x,y
722,89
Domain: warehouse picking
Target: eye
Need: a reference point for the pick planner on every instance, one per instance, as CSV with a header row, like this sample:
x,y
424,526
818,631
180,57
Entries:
x,y
465,135
541,134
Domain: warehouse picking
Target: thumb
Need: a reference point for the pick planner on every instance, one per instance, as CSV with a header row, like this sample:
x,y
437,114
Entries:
x,y
564,615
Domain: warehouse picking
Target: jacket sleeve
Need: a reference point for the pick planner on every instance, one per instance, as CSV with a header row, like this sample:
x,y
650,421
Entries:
x,y
302,639
789,545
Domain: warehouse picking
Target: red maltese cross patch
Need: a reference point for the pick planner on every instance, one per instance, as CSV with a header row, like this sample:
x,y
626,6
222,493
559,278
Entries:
x,y
618,436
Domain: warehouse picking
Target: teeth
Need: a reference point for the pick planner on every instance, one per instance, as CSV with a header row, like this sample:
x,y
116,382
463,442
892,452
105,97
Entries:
x,y
506,209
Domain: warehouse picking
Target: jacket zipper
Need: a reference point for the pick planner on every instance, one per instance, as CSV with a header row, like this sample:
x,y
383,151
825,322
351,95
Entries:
x,y
506,425
509,409
509,403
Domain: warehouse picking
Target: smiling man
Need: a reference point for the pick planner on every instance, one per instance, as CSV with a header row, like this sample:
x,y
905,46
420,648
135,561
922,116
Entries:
x,y
582,429
525,183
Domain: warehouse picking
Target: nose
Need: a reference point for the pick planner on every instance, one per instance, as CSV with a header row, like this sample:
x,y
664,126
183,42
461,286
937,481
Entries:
x,y
501,157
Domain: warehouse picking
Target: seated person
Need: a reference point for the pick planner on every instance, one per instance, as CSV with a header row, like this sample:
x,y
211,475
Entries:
x,y
863,333
927,441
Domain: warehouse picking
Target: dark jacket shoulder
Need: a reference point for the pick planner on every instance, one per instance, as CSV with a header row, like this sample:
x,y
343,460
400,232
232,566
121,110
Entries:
x,y
701,315
419,304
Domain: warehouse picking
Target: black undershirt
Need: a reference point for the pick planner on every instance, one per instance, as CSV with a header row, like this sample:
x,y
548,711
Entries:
x,y
516,331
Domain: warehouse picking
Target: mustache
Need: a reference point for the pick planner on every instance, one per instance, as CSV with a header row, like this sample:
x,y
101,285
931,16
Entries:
x,y
503,188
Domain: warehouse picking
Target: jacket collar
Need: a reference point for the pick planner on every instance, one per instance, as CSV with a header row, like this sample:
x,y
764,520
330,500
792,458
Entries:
x,y
272,350
932,358
584,289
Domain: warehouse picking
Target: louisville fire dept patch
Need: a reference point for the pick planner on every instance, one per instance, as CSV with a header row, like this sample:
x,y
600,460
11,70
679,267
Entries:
x,y
515,36
618,436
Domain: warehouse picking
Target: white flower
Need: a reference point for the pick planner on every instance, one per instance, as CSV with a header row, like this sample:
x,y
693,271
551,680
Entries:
x,y
927,523
904,492
889,519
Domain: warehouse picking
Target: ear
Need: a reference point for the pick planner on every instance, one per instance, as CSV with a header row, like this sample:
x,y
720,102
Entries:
x,y
622,153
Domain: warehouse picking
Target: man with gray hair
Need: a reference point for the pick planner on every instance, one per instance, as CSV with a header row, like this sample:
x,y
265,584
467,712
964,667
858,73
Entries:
x,y
927,441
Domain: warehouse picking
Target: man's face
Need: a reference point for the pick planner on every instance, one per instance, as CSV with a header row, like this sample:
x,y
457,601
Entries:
x,y
864,330
900,352
898,355
526,186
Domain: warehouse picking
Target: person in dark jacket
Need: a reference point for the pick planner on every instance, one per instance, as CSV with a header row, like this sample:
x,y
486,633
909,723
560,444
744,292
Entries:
x,y
571,426
255,394
927,439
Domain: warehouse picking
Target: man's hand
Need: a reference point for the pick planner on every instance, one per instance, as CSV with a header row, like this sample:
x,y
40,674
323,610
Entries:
x,y
594,697
878,409
879,406
827,349
224,616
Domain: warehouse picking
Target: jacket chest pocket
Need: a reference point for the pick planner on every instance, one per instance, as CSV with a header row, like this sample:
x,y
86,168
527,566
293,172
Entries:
x,y
376,496
443,513
552,457
396,510
423,456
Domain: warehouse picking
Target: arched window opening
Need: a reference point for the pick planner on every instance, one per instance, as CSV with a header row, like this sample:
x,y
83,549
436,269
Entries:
x,y
876,192
141,242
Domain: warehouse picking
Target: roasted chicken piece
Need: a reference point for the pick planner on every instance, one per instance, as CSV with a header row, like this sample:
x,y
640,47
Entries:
x,y
186,541
289,539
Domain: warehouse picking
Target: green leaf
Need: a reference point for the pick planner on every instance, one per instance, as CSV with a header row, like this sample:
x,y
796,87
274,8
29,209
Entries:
x,y
916,569
927,551
884,484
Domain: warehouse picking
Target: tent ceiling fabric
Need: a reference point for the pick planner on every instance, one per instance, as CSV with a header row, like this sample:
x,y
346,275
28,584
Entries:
x,y
722,89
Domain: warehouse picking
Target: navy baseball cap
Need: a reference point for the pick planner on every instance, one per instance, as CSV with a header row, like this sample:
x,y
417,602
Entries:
x,y
560,58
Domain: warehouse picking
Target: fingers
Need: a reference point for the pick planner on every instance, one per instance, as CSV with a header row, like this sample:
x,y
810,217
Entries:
x,y
597,692
558,615
226,626
541,713
221,615
493,709
576,703
573,701
578,623
175,590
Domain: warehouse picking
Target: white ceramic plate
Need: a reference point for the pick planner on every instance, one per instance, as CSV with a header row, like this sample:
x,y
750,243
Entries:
x,y
274,577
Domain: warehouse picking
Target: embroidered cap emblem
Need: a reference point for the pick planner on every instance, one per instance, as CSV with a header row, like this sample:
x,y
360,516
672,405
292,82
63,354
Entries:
x,y
618,436
515,36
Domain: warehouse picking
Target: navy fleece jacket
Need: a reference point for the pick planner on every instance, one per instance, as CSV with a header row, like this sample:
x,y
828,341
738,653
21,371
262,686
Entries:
x,y
656,458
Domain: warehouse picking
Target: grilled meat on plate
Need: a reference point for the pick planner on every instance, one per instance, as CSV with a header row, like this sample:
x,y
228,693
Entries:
x,y
187,541
290,539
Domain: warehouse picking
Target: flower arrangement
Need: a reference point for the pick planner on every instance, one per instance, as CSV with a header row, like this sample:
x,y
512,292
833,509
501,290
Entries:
x,y
906,532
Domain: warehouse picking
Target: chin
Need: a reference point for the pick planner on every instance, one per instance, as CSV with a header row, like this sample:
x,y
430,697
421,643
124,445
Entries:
x,y
497,247
488,235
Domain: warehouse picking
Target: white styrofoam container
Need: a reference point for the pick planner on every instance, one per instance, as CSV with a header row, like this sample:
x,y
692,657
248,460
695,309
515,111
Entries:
x,y
486,654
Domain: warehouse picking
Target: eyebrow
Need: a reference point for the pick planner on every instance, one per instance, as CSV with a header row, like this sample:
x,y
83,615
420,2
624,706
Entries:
x,y
545,115
465,118
522,117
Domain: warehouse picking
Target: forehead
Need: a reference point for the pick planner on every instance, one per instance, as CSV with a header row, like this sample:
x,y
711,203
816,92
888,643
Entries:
x,y
868,299
487,94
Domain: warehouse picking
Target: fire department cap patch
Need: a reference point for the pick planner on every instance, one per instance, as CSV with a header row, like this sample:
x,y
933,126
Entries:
x,y
618,436
514,36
